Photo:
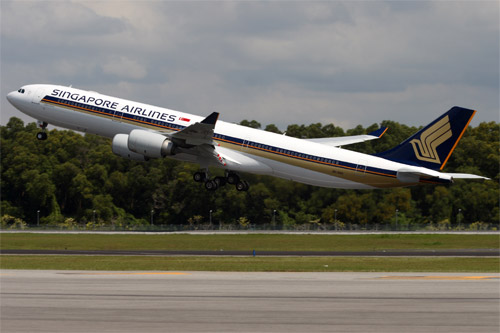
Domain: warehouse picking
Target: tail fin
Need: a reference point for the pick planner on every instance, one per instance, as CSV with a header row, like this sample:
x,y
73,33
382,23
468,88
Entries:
x,y
432,146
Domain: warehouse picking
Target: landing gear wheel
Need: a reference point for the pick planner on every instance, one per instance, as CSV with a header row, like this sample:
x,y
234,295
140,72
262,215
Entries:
x,y
221,181
242,186
41,136
233,179
199,177
211,185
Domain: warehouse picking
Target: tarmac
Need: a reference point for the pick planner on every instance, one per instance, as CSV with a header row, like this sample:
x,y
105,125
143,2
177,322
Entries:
x,y
96,301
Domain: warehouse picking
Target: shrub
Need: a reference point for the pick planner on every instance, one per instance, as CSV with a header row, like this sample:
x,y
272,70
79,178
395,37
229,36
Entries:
x,y
11,222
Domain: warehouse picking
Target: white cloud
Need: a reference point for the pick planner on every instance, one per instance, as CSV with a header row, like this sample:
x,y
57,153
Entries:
x,y
276,62
124,68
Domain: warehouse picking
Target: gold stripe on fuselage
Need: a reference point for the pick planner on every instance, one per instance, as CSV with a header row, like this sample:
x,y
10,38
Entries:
x,y
358,175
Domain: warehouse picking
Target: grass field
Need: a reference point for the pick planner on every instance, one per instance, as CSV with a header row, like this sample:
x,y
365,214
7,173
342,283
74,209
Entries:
x,y
252,264
248,242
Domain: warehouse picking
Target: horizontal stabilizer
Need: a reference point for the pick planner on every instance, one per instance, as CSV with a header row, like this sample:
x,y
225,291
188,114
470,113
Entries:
x,y
466,176
412,174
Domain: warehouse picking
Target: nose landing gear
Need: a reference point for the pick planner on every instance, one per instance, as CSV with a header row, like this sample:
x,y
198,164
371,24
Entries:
x,y
42,135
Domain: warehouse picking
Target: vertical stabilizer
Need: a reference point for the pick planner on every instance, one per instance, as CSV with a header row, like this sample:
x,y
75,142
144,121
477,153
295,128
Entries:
x,y
432,146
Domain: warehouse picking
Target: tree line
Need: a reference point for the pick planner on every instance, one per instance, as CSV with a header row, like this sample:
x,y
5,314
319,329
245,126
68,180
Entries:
x,y
76,179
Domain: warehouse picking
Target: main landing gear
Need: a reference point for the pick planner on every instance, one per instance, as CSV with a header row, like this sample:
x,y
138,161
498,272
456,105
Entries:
x,y
42,135
213,184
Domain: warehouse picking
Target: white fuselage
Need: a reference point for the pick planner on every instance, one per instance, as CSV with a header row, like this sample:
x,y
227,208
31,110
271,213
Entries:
x,y
253,150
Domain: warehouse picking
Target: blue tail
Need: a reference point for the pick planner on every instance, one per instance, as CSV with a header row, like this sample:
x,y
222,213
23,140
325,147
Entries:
x,y
432,146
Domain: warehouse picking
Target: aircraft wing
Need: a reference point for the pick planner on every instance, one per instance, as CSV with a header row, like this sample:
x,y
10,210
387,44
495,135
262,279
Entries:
x,y
347,140
196,134
197,140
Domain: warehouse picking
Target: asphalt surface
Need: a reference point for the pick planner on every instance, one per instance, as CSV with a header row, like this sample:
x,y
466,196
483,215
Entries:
x,y
388,253
83,301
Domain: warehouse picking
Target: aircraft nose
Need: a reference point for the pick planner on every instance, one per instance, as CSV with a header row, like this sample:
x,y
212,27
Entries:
x,y
10,97
14,98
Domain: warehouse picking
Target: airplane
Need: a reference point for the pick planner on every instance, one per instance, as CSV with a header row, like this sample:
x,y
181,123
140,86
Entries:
x,y
142,132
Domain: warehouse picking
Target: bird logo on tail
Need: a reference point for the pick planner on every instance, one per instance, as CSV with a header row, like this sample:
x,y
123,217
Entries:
x,y
430,139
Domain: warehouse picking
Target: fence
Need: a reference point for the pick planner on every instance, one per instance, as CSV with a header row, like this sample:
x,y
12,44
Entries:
x,y
308,227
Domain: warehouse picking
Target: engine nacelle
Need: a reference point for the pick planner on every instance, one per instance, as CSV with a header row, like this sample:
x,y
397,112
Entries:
x,y
150,144
120,148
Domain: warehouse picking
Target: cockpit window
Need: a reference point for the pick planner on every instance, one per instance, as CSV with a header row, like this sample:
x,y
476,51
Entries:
x,y
21,91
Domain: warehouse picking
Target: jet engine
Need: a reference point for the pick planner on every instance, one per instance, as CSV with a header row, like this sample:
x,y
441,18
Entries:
x,y
142,145
120,148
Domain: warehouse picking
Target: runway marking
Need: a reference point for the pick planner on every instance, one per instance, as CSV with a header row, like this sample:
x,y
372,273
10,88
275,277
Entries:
x,y
439,277
130,273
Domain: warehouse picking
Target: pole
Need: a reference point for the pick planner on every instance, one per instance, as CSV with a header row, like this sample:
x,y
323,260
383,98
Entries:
x,y
397,219
335,220
274,217
210,216
93,216
152,212
459,217
38,218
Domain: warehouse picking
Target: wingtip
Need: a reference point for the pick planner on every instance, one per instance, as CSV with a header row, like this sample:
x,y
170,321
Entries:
x,y
211,119
380,132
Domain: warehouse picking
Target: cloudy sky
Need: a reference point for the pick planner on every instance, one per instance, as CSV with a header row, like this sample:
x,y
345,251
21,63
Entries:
x,y
341,62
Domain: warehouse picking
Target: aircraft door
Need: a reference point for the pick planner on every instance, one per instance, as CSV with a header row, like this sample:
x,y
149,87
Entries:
x,y
117,115
246,143
361,168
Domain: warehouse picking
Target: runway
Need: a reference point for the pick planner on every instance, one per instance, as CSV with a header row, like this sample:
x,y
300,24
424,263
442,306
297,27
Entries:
x,y
90,301
383,253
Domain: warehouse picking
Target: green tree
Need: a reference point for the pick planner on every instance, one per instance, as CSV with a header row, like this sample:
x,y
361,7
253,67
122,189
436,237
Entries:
x,y
251,123
272,128
70,175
